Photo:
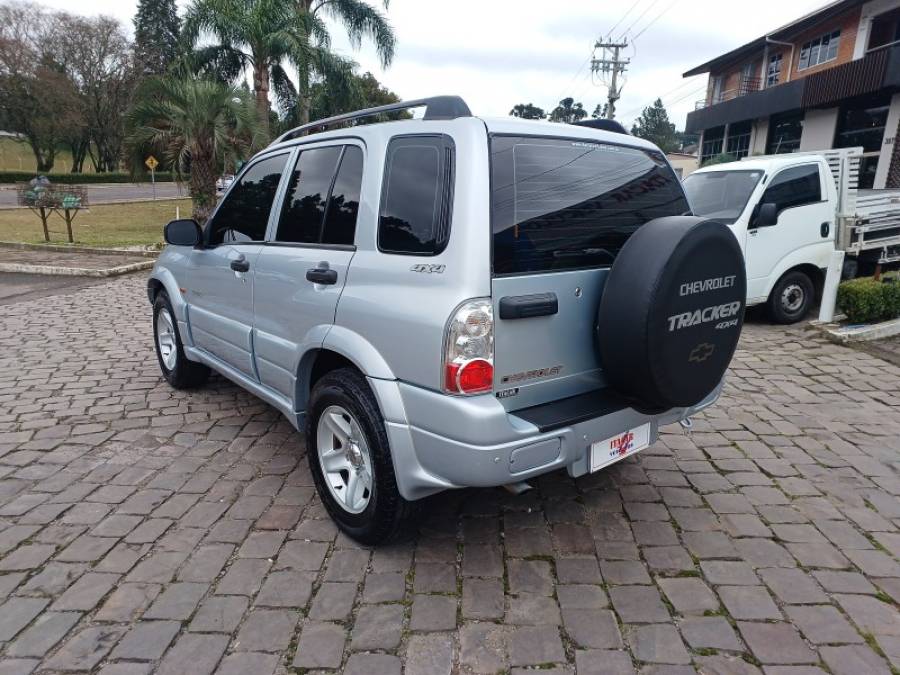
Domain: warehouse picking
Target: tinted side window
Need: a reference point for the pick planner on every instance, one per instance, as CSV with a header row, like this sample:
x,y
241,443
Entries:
x,y
343,207
794,187
304,206
244,214
415,201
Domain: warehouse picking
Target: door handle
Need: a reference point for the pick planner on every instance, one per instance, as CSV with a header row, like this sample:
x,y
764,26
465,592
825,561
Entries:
x,y
826,229
322,275
240,264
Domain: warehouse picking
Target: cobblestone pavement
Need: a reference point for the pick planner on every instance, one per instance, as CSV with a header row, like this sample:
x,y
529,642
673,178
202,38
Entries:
x,y
143,529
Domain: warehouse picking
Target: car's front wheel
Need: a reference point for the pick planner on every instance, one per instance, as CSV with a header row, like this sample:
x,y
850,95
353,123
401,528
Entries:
x,y
792,298
350,459
179,372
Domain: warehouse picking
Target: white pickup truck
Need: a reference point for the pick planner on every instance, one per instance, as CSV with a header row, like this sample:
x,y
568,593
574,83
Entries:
x,y
791,213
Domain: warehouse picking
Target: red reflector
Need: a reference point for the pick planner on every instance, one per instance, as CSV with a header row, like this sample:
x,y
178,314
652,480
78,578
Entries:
x,y
476,376
450,377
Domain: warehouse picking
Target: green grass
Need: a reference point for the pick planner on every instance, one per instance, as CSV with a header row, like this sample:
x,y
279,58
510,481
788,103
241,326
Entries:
x,y
17,156
138,223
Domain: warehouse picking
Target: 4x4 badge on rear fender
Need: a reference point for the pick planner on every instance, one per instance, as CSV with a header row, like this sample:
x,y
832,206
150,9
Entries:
x,y
701,353
428,269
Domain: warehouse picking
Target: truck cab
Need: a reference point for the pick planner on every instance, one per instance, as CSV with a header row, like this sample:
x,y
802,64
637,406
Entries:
x,y
783,211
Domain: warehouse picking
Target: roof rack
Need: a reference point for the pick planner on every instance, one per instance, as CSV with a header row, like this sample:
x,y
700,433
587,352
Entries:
x,y
436,108
604,125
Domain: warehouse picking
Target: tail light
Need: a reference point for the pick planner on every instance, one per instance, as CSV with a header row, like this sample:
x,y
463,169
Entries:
x,y
469,349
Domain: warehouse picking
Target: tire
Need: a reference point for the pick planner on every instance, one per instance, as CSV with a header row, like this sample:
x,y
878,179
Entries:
x,y
671,313
791,299
376,512
179,371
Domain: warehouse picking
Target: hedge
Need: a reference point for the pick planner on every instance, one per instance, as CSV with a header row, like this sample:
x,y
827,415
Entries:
x,y
7,177
867,301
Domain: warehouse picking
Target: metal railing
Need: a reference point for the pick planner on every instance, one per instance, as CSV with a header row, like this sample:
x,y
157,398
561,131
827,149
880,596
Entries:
x,y
747,85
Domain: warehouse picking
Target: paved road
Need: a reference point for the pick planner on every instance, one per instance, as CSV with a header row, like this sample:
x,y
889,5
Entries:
x,y
18,287
144,529
105,194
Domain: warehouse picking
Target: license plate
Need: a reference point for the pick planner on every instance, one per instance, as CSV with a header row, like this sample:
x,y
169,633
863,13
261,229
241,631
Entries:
x,y
612,450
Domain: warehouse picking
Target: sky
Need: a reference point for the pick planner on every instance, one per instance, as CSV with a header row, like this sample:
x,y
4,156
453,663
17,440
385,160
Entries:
x,y
497,53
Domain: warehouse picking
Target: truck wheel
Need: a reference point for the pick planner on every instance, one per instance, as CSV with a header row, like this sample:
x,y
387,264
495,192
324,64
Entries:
x,y
350,459
179,372
791,298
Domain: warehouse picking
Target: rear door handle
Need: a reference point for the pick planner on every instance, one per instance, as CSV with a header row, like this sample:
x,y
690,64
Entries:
x,y
826,229
322,275
240,264
528,306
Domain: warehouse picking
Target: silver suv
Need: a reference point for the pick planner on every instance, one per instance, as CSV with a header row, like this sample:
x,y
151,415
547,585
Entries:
x,y
453,301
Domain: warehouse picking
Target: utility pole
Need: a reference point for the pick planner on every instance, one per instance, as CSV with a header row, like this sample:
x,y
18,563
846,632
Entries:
x,y
614,67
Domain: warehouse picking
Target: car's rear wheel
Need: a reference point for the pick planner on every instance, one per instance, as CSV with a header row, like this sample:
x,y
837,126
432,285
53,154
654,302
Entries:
x,y
179,372
792,298
350,459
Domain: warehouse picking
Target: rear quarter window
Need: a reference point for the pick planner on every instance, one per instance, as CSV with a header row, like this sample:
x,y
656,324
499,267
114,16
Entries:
x,y
565,204
414,218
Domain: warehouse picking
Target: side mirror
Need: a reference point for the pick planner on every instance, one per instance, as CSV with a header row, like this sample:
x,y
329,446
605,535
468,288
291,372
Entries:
x,y
184,232
767,216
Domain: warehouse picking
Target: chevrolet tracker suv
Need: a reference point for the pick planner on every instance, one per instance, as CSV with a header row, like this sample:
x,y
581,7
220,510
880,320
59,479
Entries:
x,y
452,301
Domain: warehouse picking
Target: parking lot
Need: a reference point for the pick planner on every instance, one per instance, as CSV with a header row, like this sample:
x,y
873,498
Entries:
x,y
147,530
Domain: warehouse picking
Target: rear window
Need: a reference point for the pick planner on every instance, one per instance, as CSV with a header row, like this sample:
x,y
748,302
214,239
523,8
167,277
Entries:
x,y
566,204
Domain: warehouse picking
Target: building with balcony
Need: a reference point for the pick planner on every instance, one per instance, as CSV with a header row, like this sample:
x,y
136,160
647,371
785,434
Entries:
x,y
830,79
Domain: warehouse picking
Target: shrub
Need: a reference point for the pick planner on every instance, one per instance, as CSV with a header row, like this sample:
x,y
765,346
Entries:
x,y
7,177
866,300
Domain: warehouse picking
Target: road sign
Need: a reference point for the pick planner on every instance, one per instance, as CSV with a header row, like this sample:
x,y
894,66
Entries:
x,y
151,163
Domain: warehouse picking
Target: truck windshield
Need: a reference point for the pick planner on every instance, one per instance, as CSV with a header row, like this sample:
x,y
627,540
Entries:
x,y
721,195
566,204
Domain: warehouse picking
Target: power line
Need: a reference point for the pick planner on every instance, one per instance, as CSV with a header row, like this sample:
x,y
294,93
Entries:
x,y
574,77
689,82
658,17
637,20
624,16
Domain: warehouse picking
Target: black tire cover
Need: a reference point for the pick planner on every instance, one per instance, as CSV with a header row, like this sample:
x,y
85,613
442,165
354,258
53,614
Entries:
x,y
672,311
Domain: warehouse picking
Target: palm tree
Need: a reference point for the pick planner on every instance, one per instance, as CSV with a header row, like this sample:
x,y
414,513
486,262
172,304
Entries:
x,y
359,19
195,123
259,35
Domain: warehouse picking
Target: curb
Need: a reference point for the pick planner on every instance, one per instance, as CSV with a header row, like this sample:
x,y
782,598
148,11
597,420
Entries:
x,y
867,333
53,270
69,248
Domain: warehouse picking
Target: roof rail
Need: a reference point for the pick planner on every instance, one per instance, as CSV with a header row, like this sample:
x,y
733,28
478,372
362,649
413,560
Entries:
x,y
436,108
604,125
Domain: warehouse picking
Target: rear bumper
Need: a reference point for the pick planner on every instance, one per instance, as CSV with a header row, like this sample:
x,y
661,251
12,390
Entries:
x,y
474,442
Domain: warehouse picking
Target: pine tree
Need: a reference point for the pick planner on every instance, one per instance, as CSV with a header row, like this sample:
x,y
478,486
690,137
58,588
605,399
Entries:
x,y
654,125
156,32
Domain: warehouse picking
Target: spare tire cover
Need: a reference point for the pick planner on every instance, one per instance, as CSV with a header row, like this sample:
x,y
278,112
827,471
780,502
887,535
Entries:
x,y
672,311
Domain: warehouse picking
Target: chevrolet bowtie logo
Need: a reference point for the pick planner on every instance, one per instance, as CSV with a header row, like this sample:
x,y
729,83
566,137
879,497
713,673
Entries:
x,y
701,353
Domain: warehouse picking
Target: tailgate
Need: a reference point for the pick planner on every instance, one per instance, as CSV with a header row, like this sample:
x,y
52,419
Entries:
x,y
544,358
561,210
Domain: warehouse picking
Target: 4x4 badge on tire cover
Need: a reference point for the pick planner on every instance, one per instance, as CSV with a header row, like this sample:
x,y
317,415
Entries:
x,y
701,353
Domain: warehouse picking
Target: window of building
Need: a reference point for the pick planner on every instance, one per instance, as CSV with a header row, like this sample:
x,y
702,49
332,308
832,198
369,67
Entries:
x,y
244,215
885,29
862,124
784,133
773,74
738,144
713,143
797,186
417,195
821,50
321,207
